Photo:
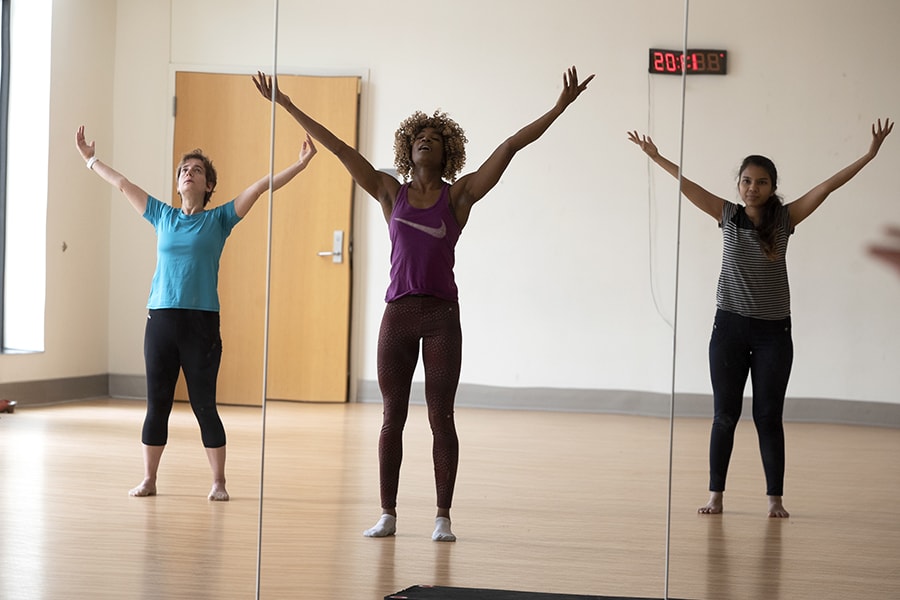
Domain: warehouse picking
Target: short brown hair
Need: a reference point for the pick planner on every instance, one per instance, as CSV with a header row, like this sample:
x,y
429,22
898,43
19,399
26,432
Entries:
x,y
211,176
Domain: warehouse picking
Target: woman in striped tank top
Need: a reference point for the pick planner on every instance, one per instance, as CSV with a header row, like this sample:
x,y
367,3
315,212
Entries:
x,y
752,327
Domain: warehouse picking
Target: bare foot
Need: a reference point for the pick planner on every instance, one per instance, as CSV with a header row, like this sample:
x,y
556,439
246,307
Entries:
x,y
147,488
218,493
776,508
714,506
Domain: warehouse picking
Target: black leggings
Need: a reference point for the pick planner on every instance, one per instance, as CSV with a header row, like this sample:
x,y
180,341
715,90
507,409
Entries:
x,y
435,322
176,339
765,350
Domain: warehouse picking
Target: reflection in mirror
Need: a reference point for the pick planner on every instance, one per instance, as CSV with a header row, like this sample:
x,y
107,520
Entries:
x,y
812,113
561,333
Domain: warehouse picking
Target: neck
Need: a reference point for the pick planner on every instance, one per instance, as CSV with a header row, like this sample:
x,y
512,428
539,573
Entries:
x,y
425,178
754,213
190,206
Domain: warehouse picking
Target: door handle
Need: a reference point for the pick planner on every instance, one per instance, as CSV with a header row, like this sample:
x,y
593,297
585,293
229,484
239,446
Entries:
x,y
337,248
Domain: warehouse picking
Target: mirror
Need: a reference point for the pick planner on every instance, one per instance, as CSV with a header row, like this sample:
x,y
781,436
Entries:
x,y
567,270
542,254
543,231
803,88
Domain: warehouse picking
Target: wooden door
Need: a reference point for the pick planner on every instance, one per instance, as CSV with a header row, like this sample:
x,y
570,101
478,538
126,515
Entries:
x,y
309,301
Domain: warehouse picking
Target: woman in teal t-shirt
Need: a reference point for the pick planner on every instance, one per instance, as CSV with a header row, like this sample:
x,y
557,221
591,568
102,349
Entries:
x,y
182,331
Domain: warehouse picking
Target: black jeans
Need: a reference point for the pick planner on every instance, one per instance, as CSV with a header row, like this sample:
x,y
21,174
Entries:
x,y
765,350
189,340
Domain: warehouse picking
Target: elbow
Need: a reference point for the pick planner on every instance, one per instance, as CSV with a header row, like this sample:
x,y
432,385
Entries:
x,y
123,185
510,147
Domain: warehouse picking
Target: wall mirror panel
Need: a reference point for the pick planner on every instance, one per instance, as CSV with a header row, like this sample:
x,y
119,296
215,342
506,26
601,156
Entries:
x,y
584,285
566,277
804,89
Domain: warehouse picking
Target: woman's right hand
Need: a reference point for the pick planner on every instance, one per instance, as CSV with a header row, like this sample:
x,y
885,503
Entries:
x,y
645,142
86,150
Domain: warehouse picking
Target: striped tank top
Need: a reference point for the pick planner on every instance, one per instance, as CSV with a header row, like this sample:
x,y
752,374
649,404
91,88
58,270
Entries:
x,y
750,284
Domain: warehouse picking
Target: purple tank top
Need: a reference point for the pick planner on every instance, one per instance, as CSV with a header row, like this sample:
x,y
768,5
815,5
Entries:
x,y
422,248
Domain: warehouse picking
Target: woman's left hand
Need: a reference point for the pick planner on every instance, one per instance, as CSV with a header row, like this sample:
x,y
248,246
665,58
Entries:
x,y
265,86
878,135
571,88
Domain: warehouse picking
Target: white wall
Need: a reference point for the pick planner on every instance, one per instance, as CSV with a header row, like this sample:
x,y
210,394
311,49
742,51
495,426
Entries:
x,y
556,265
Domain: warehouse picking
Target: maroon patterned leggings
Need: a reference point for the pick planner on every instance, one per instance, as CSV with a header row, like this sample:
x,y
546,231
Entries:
x,y
406,322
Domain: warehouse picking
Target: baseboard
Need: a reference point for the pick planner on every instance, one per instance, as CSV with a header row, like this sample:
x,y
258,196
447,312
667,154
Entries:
x,y
628,402
128,386
54,391
651,404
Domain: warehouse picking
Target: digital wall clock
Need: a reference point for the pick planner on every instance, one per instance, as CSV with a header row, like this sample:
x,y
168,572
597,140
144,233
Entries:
x,y
695,62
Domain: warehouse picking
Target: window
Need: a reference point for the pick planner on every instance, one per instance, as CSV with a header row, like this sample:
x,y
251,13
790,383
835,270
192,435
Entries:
x,y
4,112
26,87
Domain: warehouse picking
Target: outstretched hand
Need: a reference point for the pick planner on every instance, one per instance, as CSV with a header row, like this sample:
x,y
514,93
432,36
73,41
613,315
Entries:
x,y
645,142
308,150
889,254
86,150
571,88
878,135
265,85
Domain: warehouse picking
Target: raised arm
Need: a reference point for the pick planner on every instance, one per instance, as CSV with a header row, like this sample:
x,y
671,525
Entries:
x,y
471,188
246,199
699,197
380,186
135,195
806,204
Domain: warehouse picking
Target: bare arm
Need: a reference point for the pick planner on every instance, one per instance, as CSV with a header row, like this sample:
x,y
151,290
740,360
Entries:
x,y
806,204
473,187
246,199
135,195
699,197
380,186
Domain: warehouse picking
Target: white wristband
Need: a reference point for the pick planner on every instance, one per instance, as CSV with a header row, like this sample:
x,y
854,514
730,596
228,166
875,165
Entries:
x,y
91,161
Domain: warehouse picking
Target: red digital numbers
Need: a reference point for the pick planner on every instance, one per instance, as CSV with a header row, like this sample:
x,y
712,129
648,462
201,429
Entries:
x,y
672,62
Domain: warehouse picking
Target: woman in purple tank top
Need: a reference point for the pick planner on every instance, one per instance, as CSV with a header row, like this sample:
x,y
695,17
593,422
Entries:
x,y
425,215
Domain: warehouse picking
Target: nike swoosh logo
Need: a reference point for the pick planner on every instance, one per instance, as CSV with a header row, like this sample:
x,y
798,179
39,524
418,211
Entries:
x,y
436,232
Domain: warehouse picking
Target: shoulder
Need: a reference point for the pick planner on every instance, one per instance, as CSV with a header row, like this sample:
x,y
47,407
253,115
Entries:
x,y
729,211
155,208
225,211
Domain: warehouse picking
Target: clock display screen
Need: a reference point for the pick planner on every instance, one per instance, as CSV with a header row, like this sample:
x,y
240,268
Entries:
x,y
695,62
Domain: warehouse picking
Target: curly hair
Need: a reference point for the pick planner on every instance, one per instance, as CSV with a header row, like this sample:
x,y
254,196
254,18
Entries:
x,y
454,143
211,176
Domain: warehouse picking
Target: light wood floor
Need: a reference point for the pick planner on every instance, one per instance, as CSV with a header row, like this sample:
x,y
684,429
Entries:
x,y
566,503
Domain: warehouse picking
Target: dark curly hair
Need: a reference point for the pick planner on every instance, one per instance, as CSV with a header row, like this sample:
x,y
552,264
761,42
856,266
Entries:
x,y
211,176
454,143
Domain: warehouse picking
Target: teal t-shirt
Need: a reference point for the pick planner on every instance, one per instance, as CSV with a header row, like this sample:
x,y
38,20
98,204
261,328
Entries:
x,y
188,248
